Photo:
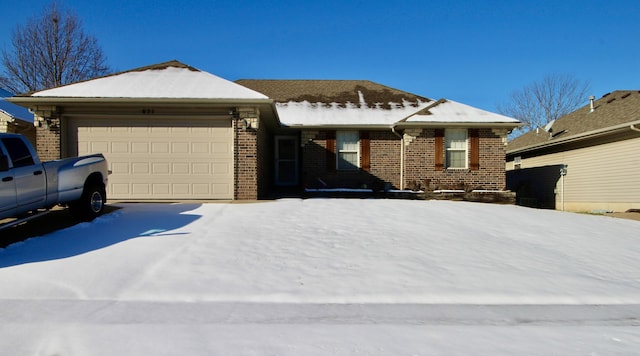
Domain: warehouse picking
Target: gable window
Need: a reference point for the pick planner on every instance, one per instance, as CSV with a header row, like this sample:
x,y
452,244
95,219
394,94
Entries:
x,y
347,150
456,148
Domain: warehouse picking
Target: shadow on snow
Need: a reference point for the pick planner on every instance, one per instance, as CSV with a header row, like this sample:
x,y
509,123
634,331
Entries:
x,y
128,222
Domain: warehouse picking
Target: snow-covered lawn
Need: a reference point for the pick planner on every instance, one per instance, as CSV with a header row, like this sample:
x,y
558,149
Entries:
x,y
325,277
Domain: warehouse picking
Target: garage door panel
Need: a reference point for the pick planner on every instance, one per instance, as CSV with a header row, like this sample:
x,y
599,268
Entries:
x,y
181,168
180,147
221,168
190,159
159,148
161,189
99,146
221,147
141,189
140,147
120,147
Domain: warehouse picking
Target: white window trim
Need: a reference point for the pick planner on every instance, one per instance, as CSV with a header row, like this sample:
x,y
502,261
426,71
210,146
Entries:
x,y
447,134
339,151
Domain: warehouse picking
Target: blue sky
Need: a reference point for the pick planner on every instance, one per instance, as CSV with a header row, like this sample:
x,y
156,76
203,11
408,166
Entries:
x,y
475,52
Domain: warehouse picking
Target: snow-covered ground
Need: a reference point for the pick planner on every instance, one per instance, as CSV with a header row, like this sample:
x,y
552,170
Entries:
x,y
325,277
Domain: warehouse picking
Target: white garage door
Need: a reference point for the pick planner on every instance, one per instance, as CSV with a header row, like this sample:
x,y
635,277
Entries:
x,y
161,159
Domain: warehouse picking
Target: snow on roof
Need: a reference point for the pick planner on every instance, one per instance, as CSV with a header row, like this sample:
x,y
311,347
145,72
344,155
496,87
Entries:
x,y
12,110
172,80
449,111
362,103
334,114
442,111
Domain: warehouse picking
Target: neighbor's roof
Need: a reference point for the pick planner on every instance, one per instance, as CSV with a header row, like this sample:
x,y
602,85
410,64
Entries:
x,y
12,110
612,110
362,103
169,80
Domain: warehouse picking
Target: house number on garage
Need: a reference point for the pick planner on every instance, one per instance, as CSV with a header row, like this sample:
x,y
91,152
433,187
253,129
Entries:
x,y
147,111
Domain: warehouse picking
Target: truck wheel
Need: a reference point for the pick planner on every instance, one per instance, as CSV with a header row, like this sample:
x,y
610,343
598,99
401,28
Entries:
x,y
91,203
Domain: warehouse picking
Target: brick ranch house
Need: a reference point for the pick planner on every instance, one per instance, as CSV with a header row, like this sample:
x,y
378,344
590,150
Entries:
x,y
173,132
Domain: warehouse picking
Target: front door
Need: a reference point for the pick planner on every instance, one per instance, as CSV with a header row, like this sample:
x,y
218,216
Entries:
x,y
286,160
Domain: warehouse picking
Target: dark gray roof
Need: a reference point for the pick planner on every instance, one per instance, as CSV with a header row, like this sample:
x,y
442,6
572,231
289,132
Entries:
x,y
333,91
616,108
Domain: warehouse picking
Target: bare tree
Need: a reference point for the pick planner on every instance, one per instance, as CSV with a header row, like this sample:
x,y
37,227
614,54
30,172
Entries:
x,y
542,102
49,51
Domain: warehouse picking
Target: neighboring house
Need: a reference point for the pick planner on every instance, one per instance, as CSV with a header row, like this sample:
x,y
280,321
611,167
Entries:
x,y
173,132
15,118
596,146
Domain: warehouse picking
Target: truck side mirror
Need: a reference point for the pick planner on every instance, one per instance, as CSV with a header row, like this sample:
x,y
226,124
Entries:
x,y
4,163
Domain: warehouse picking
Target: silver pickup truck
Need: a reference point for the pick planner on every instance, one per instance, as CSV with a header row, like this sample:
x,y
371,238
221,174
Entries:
x,y
29,187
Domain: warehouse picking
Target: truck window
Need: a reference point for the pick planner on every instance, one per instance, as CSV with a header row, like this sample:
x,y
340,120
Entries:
x,y
18,152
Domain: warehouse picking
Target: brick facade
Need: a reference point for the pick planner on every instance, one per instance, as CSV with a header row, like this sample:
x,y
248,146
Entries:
x,y
318,167
385,151
252,157
420,172
245,162
48,141
419,169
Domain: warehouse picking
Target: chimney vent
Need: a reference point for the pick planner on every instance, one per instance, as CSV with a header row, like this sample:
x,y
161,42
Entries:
x,y
591,99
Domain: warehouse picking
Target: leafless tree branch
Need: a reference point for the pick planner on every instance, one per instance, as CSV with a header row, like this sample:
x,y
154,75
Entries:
x,y
51,50
541,102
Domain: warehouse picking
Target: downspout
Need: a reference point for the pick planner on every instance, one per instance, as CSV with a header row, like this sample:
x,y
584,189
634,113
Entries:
x,y
562,194
393,130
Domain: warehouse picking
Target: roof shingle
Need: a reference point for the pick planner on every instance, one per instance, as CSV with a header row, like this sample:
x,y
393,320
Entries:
x,y
616,108
342,92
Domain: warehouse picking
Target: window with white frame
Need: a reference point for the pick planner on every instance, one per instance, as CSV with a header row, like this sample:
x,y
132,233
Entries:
x,y
347,153
456,147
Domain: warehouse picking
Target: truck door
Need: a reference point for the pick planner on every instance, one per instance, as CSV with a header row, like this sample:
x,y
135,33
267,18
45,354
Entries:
x,y
29,178
8,200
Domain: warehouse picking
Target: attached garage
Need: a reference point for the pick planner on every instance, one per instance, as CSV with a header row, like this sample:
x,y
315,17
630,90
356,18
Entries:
x,y
177,158
170,132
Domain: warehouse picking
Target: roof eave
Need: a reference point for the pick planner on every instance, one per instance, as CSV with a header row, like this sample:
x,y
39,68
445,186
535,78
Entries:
x,y
34,100
402,125
339,127
439,124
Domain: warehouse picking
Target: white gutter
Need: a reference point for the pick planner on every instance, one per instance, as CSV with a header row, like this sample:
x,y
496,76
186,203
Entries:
x,y
336,127
393,130
441,124
47,100
634,128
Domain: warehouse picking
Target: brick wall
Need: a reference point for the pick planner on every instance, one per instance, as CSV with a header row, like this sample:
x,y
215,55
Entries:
x,y
246,162
385,157
419,167
384,163
264,165
48,141
314,158
420,164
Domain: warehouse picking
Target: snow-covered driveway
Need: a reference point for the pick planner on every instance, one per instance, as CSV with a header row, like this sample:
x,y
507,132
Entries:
x,y
325,276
